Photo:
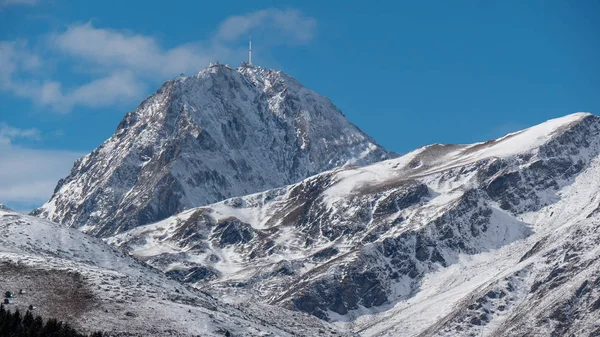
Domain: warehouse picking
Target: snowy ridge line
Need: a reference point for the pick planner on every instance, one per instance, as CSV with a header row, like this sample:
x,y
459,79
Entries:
x,y
364,246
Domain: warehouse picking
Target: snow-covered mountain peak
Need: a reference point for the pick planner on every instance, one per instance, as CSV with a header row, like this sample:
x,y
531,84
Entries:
x,y
199,139
256,73
268,77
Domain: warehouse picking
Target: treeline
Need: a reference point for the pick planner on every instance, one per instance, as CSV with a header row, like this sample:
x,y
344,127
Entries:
x,y
18,325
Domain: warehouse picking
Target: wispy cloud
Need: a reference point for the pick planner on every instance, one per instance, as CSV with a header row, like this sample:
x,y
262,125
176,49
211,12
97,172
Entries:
x,y
291,25
18,63
122,65
8,134
118,87
138,53
16,57
28,176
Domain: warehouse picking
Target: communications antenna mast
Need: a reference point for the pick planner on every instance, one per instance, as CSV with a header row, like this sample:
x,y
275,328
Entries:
x,y
250,52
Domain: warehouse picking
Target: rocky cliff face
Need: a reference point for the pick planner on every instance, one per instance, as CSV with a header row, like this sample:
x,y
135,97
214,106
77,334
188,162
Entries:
x,y
445,240
222,133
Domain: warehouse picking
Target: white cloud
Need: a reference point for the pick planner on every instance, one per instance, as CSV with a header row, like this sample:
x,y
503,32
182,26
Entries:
x,y
122,65
28,176
111,49
17,61
289,24
119,87
15,57
9,133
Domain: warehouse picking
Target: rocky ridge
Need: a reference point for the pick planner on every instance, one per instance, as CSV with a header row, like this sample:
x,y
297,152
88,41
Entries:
x,y
507,225
200,139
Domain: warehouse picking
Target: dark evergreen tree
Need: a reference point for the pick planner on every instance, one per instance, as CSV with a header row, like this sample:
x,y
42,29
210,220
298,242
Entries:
x,y
17,325
16,320
28,319
36,327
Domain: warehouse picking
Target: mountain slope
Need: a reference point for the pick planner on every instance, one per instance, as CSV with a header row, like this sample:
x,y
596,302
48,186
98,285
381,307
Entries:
x,y
77,278
200,139
432,243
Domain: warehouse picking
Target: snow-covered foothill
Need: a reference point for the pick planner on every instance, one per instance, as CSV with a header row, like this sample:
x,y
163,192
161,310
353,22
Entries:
x,y
73,277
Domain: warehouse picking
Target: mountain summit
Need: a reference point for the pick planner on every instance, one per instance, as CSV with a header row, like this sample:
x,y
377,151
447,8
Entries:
x,y
222,133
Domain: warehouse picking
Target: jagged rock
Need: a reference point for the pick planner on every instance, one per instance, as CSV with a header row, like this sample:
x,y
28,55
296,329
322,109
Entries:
x,y
232,231
358,244
200,139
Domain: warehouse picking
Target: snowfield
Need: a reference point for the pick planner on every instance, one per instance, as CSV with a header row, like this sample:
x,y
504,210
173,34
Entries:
x,y
237,202
491,239
200,139
77,278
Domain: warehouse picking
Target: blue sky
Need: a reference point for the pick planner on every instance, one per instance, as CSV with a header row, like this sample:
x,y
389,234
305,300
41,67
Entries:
x,y
407,73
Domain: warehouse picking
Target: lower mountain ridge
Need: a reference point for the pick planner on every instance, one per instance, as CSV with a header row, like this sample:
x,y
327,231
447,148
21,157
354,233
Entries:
x,y
500,238
65,274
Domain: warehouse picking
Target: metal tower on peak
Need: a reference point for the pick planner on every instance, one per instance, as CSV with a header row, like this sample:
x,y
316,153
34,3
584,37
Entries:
x,y
250,52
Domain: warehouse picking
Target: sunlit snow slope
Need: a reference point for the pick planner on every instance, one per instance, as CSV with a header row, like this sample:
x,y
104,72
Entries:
x,y
488,239
200,139
79,279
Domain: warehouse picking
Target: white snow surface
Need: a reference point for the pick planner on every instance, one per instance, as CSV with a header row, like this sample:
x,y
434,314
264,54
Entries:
x,y
440,157
79,279
200,139
500,219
